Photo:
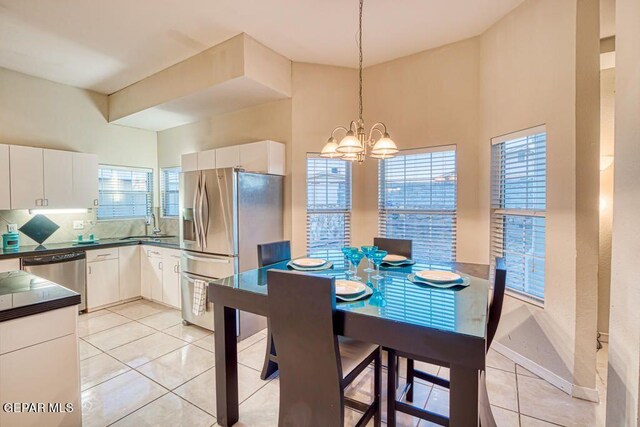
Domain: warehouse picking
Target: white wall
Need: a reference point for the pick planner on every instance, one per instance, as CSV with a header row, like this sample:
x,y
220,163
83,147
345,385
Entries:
x,y
41,113
623,378
525,83
607,106
429,99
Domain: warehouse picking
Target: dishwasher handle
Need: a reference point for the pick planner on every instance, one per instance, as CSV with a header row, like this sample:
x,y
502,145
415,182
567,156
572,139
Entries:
x,y
53,259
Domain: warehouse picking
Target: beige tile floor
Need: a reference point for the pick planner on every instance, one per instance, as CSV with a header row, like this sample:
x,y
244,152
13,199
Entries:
x,y
141,367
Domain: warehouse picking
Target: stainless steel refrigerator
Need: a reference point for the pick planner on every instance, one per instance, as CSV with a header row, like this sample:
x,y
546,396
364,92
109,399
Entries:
x,y
224,215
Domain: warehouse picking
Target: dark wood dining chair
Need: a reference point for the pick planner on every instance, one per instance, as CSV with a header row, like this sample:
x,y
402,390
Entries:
x,y
316,365
394,246
269,254
493,320
273,253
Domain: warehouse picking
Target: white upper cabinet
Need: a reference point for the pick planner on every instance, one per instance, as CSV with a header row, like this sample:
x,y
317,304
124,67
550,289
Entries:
x,y
5,183
263,156
189,162
58,179
228,157
207,160
27,177
85,180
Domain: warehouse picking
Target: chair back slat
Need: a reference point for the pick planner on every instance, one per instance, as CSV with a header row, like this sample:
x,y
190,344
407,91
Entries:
x,y
301,309
495,307
394,246
273,253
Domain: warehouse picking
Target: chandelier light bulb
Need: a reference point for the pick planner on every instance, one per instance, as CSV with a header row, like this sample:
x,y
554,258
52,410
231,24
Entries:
x,y
350,144
385,146
329,149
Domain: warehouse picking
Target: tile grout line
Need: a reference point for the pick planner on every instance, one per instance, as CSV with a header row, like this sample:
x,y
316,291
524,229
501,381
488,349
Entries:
x,y
137,409
517,397
129,368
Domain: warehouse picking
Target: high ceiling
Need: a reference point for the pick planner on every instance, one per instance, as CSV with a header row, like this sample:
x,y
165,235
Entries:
x,y
106,45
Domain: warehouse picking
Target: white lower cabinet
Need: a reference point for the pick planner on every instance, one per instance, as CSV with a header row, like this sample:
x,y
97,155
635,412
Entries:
x,y
124,273
103,286
39,363
171,278
161,275
129,271
151,272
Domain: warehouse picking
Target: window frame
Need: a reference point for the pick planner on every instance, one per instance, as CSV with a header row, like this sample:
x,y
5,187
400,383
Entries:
x,y
150,171
163,198
495,211
384,213
347,212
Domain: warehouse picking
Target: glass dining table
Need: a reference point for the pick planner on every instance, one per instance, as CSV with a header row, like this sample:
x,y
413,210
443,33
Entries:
x,y
443,326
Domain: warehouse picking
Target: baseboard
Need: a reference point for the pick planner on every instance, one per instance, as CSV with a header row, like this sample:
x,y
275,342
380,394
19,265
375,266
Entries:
x,y
585,393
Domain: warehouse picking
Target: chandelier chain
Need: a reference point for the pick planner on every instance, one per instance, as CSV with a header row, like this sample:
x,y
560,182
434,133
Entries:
x,y
355,145
360,66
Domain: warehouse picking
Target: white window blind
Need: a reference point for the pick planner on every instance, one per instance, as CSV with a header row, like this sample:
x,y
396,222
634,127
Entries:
x,y
170,191
518,208
124,192
328,203
417,201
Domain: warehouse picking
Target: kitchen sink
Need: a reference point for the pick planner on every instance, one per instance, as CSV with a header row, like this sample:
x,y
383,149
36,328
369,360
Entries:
x,y
160,237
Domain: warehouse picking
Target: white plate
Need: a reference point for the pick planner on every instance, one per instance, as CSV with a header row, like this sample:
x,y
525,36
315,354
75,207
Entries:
x,y
394,258
438,276
309,262
349,287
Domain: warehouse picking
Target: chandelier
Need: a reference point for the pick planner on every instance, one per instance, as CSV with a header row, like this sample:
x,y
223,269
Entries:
x,y
355,145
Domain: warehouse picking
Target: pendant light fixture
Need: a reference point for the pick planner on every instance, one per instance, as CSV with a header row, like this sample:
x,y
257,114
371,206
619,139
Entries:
x,y
356,145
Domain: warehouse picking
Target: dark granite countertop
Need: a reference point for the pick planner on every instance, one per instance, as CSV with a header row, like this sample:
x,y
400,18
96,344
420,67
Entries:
x,y
51,248
23,294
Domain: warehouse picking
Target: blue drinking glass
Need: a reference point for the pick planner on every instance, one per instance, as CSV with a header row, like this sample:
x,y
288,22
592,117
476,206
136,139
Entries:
x,y
377,258
346,251
356,257
368,250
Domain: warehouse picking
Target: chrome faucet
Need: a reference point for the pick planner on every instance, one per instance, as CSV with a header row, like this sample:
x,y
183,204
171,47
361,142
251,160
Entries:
x,y
149,220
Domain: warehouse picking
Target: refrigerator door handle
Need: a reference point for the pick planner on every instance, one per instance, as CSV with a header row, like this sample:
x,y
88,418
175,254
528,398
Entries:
x,y
195,211
204,214
206,259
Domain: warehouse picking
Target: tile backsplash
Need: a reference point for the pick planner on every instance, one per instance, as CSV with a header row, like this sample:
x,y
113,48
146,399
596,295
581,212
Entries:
x,y
101,229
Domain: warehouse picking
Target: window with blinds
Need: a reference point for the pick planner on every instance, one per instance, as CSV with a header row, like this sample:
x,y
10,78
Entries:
x,y
518,208
328,203
417,200
170,192
124,192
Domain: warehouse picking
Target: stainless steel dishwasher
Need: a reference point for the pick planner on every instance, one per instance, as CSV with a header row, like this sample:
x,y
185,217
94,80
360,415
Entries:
x,y
67,269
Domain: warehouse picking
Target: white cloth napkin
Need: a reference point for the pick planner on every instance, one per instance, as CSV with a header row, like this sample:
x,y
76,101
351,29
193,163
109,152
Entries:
x,y
199,297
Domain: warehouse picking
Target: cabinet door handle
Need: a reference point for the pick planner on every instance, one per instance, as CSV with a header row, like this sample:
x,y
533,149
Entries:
x,y
89,269
38,202
46,202
160,265
103,255
95,202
